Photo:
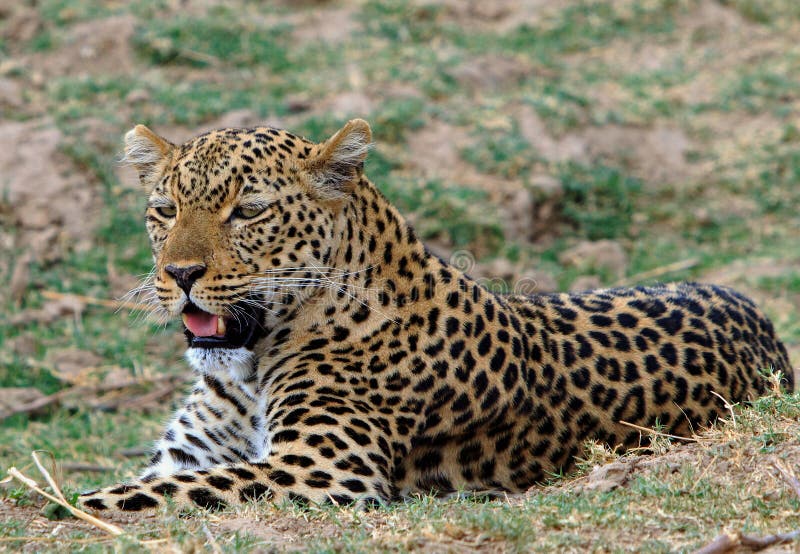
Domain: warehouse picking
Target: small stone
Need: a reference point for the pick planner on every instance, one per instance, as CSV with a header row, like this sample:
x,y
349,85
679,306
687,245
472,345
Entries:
x,y
534,281
597,255
546,186
137,96
519,209
298,103
71,364
37,78
11,94
22,345
87,52
349,104
13,397
608,477
585,282
702,216
236,118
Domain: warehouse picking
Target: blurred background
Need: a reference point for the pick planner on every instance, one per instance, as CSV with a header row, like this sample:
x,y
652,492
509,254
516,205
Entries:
x,y
561,144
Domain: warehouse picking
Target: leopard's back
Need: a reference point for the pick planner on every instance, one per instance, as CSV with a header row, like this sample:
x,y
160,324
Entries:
x,y
557,370
657,355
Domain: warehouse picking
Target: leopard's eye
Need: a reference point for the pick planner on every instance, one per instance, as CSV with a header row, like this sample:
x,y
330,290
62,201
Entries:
x,y
246,212
167,211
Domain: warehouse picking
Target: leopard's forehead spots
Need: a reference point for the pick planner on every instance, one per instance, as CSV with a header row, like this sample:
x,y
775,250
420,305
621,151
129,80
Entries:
x,y
214,167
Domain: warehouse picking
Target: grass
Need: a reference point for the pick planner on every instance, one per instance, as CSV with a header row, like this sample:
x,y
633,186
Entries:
x,y
773,12
503,152
219,38
451,213
591,24
599,200
639,66
686,485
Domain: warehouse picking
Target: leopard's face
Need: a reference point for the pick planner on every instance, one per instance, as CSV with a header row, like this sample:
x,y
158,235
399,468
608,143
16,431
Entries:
x,y
222,221
237,219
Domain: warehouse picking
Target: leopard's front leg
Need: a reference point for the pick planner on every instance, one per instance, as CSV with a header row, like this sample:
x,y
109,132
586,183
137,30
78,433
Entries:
x,y
316,460
220,422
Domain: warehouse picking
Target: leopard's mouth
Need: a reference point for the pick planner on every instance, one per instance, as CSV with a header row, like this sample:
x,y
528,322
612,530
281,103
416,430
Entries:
x,y
207,330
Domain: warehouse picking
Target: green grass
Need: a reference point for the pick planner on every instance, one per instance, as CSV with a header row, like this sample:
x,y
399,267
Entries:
x,y
218,38
561,103
503,152
590,24
396,118
599,200
765,86
62,12
400,23
789,282
454,213
775,11
43,41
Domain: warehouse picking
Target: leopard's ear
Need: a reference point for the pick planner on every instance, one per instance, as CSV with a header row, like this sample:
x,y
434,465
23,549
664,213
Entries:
x,y
148,153
339,163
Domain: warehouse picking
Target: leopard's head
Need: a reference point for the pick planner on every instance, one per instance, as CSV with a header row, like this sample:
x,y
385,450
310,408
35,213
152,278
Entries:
x,y
235,217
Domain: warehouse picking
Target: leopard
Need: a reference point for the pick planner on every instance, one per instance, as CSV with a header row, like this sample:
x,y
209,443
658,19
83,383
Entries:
x,y
339,361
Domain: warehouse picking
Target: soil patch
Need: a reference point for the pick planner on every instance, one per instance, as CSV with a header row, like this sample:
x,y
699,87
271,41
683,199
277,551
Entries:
x,y
656,154
98,47
49,207
498,15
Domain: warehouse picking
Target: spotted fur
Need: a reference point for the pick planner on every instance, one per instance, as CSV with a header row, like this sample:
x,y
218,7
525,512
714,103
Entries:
x,y
376,369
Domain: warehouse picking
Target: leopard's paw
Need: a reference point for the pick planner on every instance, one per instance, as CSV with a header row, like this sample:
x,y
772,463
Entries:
x,y
129,497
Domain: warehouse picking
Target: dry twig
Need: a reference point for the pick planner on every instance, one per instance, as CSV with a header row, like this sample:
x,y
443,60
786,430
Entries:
x,y
23,540
36,405
115,304
140,402
211,540
109,528
788,476
659,271
658,433
730,541
134,452
45,401
728,406
48,477
87,468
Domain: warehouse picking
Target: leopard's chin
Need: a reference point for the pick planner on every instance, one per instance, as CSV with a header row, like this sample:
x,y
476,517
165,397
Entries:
x,y
237,363
242,329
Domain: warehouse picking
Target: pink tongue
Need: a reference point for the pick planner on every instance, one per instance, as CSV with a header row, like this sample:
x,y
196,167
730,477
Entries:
x,y
201,324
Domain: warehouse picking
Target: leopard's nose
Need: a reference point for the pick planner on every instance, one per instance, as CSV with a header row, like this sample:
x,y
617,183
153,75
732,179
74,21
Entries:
x,y
186,275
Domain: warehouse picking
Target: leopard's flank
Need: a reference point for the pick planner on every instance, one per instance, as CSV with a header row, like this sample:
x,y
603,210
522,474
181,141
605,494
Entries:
x,y
338,360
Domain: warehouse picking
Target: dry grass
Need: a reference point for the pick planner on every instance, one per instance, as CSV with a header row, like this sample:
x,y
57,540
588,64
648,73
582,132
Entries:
x,y
733,478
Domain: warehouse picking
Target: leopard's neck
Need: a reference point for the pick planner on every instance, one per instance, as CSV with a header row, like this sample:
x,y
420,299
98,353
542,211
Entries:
x,y
382,273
